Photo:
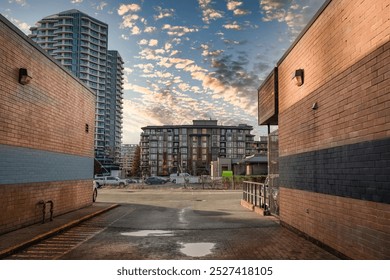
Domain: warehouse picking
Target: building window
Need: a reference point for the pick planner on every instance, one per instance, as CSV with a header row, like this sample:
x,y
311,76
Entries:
x,y
153,144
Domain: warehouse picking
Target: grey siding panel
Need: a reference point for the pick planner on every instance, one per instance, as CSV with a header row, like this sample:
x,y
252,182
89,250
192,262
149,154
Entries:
x,y
360,171
23,165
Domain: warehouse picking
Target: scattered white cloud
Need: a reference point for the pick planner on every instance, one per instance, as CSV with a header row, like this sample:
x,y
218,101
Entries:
x,y
136,88
150,29
129,21
100,6
178,31
233,5
208,13
294,14
128,70
233,26
135,30
143,42
25,27
76,1
163,13
146,68
209,53
19,2
123,9
153,43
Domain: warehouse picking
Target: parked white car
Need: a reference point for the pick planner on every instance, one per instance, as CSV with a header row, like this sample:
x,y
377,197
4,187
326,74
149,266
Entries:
x,y
94,191
182,178
109,180
178,177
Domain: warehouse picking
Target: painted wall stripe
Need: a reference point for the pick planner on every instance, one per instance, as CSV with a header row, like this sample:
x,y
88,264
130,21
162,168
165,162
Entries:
x,y
360,171
23,165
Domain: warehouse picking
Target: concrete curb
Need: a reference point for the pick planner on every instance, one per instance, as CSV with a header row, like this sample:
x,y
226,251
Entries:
x,y
6,252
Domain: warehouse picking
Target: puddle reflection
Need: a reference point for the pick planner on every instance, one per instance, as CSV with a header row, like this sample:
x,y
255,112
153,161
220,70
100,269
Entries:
x,y
197,249
143,233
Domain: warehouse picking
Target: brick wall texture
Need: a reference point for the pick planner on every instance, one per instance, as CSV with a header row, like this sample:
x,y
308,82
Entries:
x,y
46,117
335,160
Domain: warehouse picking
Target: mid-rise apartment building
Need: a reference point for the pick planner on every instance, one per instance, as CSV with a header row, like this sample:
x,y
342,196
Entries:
x,y
191,148
80,43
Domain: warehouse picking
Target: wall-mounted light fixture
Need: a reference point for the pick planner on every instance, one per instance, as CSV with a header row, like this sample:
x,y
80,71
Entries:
x,y
24,78
298,77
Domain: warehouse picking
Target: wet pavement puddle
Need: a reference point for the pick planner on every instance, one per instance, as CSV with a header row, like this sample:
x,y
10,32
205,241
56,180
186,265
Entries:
x,y
144,233
196,249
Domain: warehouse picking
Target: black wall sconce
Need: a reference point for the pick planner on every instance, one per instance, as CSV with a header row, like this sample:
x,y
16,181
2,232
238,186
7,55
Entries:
x,y
24,78
298,77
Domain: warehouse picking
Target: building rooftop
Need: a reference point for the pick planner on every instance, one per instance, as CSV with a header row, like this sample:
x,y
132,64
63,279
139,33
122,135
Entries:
x,y
200,123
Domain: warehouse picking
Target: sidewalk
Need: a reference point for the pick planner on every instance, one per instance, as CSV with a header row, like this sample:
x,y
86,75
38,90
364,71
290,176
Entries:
x,y
24,237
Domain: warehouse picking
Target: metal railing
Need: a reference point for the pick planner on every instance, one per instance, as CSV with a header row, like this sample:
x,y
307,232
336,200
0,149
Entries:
x,y
256,194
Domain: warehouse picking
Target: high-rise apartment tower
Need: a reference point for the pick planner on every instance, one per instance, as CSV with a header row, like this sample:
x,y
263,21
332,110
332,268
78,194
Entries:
x,y
79,42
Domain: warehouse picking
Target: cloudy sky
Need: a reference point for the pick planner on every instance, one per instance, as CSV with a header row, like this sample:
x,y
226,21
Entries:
x,y
187,59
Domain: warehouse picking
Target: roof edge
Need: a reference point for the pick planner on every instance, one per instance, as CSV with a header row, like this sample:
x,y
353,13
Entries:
x,y
11,26
303,32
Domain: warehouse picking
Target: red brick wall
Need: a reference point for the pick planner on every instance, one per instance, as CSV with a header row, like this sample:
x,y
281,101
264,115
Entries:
x,y
345,55
359,229
20,202
49,114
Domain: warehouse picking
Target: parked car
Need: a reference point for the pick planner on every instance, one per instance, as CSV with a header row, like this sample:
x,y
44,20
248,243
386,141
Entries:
x,y
109,180
155,180
184,178
131,181
94,191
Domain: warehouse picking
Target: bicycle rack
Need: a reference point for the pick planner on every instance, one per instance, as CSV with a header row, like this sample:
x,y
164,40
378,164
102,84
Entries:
x,y
43,203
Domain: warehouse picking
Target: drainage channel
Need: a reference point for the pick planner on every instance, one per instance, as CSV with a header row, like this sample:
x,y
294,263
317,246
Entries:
x,y
55,247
